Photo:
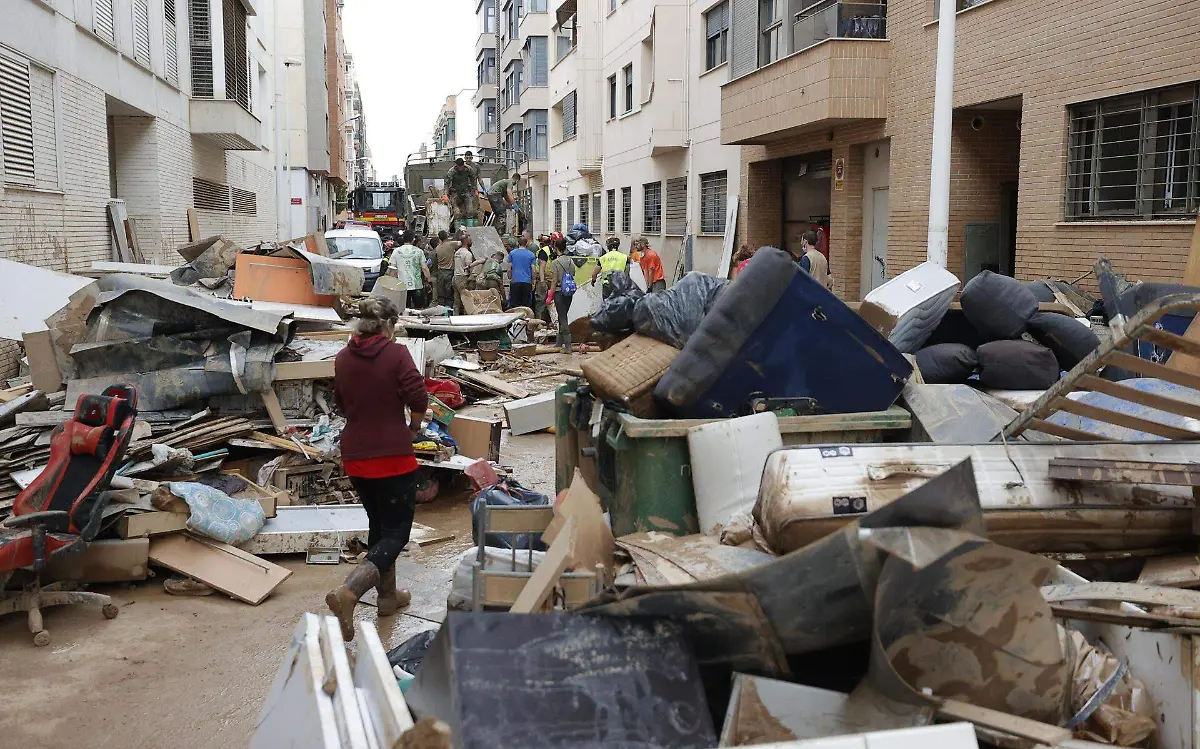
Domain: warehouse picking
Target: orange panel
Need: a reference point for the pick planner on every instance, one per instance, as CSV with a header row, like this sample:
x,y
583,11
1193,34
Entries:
x,y
276,279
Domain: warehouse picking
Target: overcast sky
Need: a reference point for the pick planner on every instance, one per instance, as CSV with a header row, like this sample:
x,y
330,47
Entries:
x,y
406,69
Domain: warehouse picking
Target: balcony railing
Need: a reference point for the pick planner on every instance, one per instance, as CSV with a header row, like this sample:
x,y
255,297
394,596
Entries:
x,y
839,19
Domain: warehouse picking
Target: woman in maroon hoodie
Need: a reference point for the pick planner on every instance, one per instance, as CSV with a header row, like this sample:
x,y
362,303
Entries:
x,y
374,380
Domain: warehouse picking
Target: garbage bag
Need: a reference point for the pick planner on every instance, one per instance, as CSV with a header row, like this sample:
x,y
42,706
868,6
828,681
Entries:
x,y
616,311
1126,716
409,654
998,306
947,363
1016,365
1070,340
672,316
586,247
507,495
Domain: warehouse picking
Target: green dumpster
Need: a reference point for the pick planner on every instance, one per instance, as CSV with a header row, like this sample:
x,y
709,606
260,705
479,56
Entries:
x,y
641,468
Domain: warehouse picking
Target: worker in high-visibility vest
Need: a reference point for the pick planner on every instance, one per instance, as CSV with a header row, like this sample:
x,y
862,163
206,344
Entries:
x,y
611,262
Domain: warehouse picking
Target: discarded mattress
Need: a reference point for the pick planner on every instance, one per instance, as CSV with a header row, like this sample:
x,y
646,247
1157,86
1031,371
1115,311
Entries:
x,y
779,333
628,372
809,492
908,308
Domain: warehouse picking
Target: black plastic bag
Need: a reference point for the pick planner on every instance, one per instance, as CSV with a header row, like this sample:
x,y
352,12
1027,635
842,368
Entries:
x,y
616,311
947,363
1016,365
999,307
507,495
408,654
672,316
1070,340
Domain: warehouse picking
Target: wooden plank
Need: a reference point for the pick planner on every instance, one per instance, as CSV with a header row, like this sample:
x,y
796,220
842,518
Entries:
x,y
542,581
43,364
1125,618
1125,471
1166,339
494,384
1143,595
135,249
1043,733
304,370
42,418
518,519
193,220
1178,571
1128,421
1150,369
11,394
220,566
280,443
387,711
1188,364
1141,397
274,410
142,524
116,226
1058,430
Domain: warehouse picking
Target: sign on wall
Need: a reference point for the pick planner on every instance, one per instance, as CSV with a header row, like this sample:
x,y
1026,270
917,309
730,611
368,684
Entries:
x,y
839,174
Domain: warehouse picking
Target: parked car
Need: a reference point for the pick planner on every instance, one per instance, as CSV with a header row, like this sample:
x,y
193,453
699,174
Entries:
x,y
360,246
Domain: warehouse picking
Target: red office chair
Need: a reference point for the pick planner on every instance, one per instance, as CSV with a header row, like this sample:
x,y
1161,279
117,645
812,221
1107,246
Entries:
x,y
60,512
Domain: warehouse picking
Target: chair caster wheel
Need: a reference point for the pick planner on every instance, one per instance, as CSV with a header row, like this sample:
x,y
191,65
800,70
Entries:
x,y
41,639
110,610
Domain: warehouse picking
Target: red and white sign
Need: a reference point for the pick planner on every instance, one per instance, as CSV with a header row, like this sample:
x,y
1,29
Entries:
x,y
297,201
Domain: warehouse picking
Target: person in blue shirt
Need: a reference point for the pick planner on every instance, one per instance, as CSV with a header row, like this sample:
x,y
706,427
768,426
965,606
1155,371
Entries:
x,y
520,275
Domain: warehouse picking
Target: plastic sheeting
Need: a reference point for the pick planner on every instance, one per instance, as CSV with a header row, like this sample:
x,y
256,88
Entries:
x,y
673,315
616,311
507,495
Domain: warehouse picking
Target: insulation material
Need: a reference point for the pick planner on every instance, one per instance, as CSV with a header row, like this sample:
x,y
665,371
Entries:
x,y
1125,717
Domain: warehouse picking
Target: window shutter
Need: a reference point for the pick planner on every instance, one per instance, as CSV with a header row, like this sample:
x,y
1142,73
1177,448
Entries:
x,y
676,220
541,61
245,202
141,31
744,32
210,196
612,211
200,22
102,20
237,67
16,121
45,139
595,211
570,213
569,116
170,42
717,20
583,210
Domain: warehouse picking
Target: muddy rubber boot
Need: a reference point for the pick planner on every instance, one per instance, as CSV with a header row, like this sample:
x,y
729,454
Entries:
x,y
342,599
391,600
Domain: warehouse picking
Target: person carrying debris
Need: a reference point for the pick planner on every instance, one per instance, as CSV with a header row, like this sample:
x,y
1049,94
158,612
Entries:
x,y
444,275
462,186
520,273
812,261
503,195
651,264
409,263
562,279
464,265
375,378
613,261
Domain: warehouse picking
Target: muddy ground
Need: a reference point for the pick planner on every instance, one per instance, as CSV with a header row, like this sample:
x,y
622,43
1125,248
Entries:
x,y
192,672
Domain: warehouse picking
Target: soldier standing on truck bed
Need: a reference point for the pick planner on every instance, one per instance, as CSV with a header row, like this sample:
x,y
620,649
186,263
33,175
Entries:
x,y
503,196
462,185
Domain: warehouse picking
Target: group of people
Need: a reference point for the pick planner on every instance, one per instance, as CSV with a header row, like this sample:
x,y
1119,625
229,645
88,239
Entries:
x,y
810,259
463,189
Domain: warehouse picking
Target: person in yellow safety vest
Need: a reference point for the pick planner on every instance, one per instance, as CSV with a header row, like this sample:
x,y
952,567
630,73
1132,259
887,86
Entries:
x,y
612,261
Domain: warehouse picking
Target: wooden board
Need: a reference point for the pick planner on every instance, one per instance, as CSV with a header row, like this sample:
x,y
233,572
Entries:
x,y
542,581
42,418
387,711
43,364
1043,733
142,524
304,370
494,384
220,566
116,226
1146,595
193,219
1179,571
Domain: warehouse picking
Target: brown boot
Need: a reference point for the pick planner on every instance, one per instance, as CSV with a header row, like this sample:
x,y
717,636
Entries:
x,y
341,600
390,600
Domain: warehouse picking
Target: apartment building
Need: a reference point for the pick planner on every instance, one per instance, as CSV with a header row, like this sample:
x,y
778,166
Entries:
x,y
165,105
314,170
487,91
455,124
363,166
1076,133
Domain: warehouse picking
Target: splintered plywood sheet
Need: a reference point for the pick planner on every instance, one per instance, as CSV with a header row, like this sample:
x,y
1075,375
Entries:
x,y
28,295
220,566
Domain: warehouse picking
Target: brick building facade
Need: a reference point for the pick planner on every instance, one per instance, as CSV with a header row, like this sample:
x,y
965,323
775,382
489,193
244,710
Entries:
x,y
1075,134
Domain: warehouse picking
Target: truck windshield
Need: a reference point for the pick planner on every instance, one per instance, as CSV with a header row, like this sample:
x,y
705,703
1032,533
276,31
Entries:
x,y
380,201
361,248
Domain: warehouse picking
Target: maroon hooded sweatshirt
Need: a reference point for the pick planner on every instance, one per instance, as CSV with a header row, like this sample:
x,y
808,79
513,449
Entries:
x,y
374,379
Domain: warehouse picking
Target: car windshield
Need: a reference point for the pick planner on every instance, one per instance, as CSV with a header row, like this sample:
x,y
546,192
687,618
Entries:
x,y
361,248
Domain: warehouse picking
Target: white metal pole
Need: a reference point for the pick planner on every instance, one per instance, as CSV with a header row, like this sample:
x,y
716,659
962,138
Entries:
x,y
943,115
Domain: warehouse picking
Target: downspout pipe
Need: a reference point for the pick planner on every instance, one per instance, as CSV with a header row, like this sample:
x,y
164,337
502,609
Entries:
x,y
943,117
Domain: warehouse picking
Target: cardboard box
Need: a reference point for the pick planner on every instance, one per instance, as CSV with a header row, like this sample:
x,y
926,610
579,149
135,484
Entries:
x,y
107,561
477,437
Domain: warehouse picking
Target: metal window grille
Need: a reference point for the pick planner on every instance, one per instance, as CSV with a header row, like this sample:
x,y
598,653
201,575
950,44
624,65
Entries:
x,y
712,202
595,211
16,121
569,120
629,88
103,20
1135,157
652,208
141,31
170,42
676,205
200,23
716,47
583,210
210,196
626,210
612,211
558,215
237,61
526,201
570,213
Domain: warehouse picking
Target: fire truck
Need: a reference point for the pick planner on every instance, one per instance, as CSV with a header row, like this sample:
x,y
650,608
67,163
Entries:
x,y
382,205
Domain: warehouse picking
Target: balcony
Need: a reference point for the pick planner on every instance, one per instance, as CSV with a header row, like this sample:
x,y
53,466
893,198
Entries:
x,y
226,123
839,75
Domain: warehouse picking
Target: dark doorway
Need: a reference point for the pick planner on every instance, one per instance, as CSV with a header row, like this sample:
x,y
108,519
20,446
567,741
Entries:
x,y
1008,228
807,181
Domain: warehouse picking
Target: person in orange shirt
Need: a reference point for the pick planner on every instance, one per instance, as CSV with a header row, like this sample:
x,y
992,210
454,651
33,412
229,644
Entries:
x,y
652,267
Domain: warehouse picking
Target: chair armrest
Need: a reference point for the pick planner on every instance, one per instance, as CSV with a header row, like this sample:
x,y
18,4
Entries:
x,y
35,518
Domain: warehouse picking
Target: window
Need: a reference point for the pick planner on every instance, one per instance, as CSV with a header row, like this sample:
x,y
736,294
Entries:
x,y
512,84
141,31
612,6
612,211
485,73
103,20
488,17
512,19
170,42
558,215
536,135
27,124
565,38
770,22
583,210
676,218
716,45
612,97
626,210
712,202
534,61
652,208
536,6
569,116
512,142
200,23
237,60
628,71
1135,157
595,211
570,212
487,116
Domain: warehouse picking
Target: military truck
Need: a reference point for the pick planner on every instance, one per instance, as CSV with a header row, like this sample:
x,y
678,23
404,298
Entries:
x,y
426,214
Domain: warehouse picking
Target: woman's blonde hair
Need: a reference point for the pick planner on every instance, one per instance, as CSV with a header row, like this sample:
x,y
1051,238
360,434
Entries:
x,y
376,315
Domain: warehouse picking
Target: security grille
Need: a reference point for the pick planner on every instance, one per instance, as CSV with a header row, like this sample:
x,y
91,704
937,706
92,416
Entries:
x,y
712,202
200,23
103,20
652,208
237,63
569,120
676,220
16,121
245,202
612,211
526,200
626,210
583,209
141,31
170,42
558,215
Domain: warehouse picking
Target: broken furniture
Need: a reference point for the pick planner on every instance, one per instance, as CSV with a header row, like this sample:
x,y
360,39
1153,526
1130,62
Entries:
x,y
60,511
